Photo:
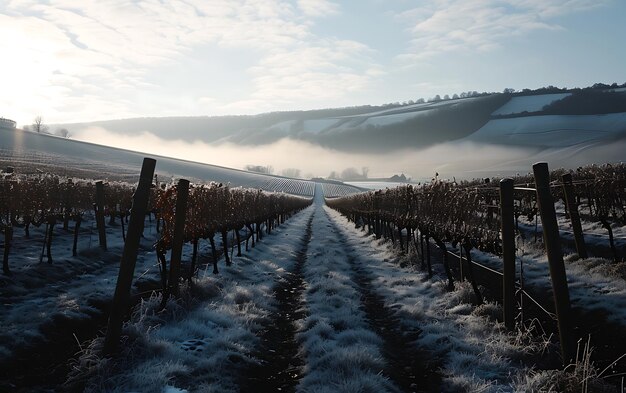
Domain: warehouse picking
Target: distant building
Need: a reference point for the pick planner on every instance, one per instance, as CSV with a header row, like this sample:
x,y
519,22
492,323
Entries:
x,y
7,124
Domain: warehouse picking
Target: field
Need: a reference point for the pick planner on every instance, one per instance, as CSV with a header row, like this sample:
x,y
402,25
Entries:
x,y
326,291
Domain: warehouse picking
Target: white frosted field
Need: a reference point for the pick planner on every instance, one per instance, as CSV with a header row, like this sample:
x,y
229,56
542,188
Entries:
x,y
318,125
385,120
551,131
284,126
28,152
375,185
529,103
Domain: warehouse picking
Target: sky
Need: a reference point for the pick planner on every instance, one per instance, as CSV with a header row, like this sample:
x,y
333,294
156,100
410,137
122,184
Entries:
x,y
78,60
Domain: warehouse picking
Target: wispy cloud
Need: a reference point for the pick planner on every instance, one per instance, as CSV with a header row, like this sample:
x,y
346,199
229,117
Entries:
x,y
96,55
318,7
327,70
444,26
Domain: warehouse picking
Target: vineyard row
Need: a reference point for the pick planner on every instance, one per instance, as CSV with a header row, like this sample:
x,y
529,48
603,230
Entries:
x,y
213,208
478,215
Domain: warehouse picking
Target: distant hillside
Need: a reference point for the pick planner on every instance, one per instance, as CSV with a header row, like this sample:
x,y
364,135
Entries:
x,y
463,137
384,129
212,128
30,152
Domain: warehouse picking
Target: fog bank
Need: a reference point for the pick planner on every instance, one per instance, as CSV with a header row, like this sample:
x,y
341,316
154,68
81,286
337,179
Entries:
x,y
458,159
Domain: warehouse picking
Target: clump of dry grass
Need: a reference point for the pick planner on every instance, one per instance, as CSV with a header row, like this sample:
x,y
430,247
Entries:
x,y
580,376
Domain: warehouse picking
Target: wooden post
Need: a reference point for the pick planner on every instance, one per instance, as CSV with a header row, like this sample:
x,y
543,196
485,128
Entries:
x,y
422,260
572,207
194,258
225,245
238,242
77,222
119,306
446,265
214,253
102,236
555,259
467,246
182,196
8,237
461,269
45,242
66,204
430,266
52,221
508,252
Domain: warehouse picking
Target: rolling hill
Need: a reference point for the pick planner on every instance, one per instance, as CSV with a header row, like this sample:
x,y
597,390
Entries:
x,y
373,129
466,137
30,152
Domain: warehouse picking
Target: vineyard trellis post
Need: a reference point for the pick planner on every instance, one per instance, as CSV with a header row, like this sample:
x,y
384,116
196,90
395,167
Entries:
x,y
77,221
508,252
555,259
8,238
182,196
102,237
129,257
572,207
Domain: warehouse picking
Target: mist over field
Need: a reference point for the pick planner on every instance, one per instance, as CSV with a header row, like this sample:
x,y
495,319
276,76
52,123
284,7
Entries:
x,y
483,135
315,160
460,159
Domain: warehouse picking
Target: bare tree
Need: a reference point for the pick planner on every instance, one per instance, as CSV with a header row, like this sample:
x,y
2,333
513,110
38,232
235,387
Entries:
x,y
38,125
350,174
260,169
291,172
63,133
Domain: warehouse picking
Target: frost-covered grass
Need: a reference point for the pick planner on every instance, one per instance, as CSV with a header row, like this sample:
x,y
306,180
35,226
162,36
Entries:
x,y
342,353
205,339
476,353
71,287
593,231
594,283
202,341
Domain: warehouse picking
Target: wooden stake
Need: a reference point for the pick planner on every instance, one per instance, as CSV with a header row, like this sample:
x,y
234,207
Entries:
x,y
102,236
572,207
555,259
121,297
182,196
8,237
508,252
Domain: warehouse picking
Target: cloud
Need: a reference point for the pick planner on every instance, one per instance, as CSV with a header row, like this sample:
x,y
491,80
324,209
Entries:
x,y
444,26
100,54
312,74
318,8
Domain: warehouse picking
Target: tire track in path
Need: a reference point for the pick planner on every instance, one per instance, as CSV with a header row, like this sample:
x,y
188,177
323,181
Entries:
x,y
406,367
280,365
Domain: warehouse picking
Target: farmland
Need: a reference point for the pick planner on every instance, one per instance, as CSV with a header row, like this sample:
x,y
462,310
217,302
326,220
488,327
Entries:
x,y
369,299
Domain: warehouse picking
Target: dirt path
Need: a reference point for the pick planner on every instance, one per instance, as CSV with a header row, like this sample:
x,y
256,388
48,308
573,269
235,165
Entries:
x,y
406,367
280,365
349,306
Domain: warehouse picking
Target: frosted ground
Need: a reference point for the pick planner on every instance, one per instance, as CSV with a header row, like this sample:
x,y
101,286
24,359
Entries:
x,y
206,340
529,103
205,347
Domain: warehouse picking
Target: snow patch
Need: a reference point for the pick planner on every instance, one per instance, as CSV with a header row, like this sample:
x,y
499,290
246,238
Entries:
x,y
519,104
